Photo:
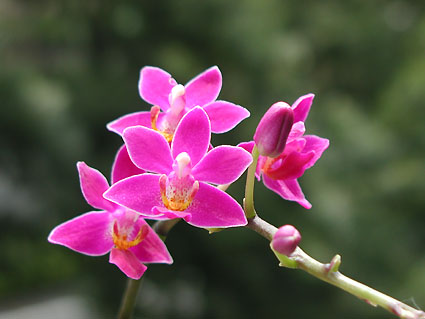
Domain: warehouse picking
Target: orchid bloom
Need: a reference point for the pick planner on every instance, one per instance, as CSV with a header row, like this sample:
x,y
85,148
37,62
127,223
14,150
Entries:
x,y
301,152
115,229
158,88
179,186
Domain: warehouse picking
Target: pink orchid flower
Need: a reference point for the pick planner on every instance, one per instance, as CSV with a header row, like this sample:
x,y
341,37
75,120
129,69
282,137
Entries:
x,y
301,152
115,229
179,188
158,88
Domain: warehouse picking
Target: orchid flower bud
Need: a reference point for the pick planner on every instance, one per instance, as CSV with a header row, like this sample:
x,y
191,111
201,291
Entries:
x,y
286,240
273,129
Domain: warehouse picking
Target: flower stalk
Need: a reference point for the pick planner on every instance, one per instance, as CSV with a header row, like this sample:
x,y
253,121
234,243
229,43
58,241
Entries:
x,y
129,298
128,302
330,274
249,187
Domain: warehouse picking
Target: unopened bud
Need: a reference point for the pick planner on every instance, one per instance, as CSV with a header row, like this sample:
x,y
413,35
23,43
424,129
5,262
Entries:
x,y
286,240
273,129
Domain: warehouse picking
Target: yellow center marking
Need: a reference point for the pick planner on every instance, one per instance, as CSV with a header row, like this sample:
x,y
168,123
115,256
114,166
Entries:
x,y
176,204
154,119
121,241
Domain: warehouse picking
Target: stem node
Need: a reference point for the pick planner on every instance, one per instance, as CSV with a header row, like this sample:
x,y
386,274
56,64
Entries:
x,y
333,266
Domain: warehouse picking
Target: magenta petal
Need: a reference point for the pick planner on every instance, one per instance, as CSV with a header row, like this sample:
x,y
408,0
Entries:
x,y
292,166
155,85
298,130
152,249
316,144
288,189
140,193
148,149
133,119
89,234
248,146
222,165
192,135
212,208
127,262
93,185
204,88
302,106
225,115
123,167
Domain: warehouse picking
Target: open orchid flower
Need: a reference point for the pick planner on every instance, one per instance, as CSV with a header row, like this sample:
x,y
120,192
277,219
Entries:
x,y
179,188
301,152
115,229
158,88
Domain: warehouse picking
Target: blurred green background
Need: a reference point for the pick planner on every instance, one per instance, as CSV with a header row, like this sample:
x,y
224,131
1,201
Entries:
x,y
69,67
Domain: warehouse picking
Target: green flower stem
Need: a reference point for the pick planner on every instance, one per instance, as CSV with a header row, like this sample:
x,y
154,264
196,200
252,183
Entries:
x,y
262,227
249,187
129,298
330,274
128,302
162,227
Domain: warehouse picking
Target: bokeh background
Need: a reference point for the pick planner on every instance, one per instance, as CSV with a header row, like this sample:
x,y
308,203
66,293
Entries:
x,y
69,67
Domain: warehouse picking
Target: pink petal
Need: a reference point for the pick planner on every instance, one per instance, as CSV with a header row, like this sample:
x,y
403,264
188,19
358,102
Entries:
x,y
249,146
123,167
148,149
152,249
127,262
133,119
225,115
222,165
302,106
292,166
288,189
140,193
316,144
204,88
93,185
89,234
298,130
192,135
155,85
212,208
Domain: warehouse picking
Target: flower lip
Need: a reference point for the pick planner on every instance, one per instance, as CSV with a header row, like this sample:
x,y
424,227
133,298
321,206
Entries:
x,y
121,237
177,193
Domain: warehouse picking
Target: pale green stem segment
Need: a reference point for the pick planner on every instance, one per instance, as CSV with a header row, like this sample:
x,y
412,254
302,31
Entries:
x,y
128,302
249,187
329,272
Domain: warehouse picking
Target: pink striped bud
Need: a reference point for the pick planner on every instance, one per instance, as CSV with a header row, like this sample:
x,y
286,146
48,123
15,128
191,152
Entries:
x,y
273,129
286,240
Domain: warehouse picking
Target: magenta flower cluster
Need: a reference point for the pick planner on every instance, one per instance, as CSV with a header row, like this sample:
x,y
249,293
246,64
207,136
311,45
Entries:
x,y
168,168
